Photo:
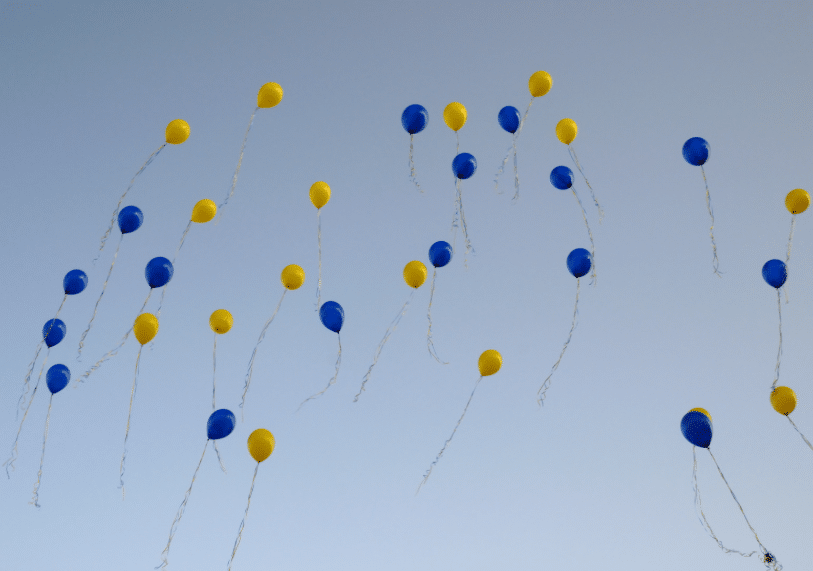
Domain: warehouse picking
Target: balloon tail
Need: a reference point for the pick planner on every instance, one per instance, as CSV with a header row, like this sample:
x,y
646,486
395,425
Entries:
x,y
412,165
448,440
389,332
333,380
787,259
457,135
500,171
522,123
254,353
34,361
219,459
237,170
430,344
174,527
36,498
183,239
127,431
809,445
319,242
516,171
543,389
716,262
243,523
9,464
461,215
214,373
96,307
594,278
779,351
587,182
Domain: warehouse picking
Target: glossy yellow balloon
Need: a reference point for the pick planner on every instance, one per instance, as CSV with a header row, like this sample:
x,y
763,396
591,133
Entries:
x,y
177,132
292,277
455,116
221,321
415,274
260,444
490,362
783,400
145,327
566,131
320,194
797,201
204,211
269,95
704,411
540,83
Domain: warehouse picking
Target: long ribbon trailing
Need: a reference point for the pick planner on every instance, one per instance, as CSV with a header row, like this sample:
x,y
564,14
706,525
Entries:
x,y
779,351
594,277
809,445
543,389
237,170
35,499
34,360
716,262
96,307
319,241
430,344
787,258
412,165
587,182
254,352
127,432
243,523
9,464
333,380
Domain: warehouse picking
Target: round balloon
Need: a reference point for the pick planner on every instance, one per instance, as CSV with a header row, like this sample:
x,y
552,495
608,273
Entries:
x,y
220,424
177,132
203,211
696,428
508,117
540,83
696,151
490,362
53,332
455,116
415,274
320,194
797,201
783,400
414,118
331,315
579,262
566,131
57,378
269,95
775,273
464,165
75,282
260,444
130,219
561,178
145,328
292,277
221,321
440,254
158,272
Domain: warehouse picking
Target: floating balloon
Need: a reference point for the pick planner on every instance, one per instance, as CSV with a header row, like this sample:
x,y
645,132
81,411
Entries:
x,y
53,332
331,315
440,254
414,274
270,95
455,115
775,273
464,166
696,428
220,322
696,153
539,84
783,401
796,202
509,120
579,262
75,281
414,120
566,131
319,195
177,132
489,363
561,178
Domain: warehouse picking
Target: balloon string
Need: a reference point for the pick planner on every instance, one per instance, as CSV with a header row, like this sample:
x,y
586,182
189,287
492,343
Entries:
x,y
516,172
387,334
412,165
448,440
237,170
809,445
502,168
34,360
543,389
243,523
333,380
461,215
183,239
127,432
716,262
779,351
35,499
430,344
254,353
319,242
10,462
522,123
457,135
214,372
787,259
219,459
174,527
116,211
594,279
96,307
587,182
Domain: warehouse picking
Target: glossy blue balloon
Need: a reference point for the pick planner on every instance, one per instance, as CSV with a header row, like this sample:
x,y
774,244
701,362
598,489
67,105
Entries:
x,y
775,273
561,178
332,316
220,424
53,332
440,254
158,272
57,378
696,428
578,262
509,118
75,282
464,165
130,219
414,118
696,151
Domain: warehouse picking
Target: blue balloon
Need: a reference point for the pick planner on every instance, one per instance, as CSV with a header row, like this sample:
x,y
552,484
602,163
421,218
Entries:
x,y
220,424
509,118
696,151
561,178
75,282
464,165
414,118
130,219
57,378
696,428
158,272
440,254
332,316
775,273
53,332
578,262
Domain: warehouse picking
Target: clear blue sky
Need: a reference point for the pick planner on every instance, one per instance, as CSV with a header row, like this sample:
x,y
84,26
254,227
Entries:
x,y
600,478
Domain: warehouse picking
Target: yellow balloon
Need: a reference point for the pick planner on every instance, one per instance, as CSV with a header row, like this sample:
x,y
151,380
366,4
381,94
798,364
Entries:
x,y
260,444
204,211
704,411
540,83
415,274
145,327
783,400
292,277
490,362
269,95
177,132
221,321
797,201
455,116
320,194
566,130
